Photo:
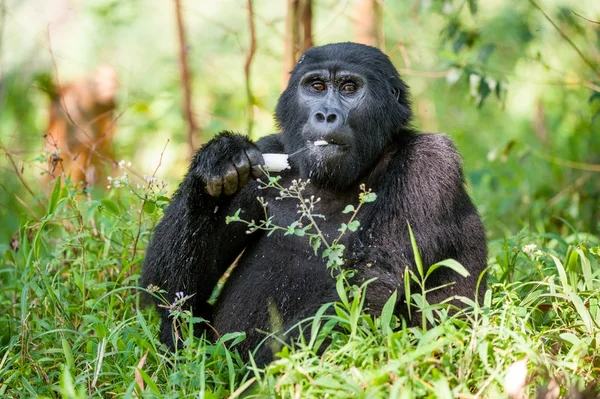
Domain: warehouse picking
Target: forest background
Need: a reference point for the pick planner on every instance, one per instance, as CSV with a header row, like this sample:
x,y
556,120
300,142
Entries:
x,y
516,84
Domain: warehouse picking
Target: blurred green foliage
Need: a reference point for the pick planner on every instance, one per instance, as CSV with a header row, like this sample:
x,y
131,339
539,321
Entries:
x,y
498,77
514,83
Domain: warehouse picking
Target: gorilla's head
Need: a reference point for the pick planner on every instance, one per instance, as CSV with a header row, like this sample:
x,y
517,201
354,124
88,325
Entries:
x,y
344,103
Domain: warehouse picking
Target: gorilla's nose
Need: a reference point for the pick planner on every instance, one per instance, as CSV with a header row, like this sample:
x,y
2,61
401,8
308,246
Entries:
x,y
327,120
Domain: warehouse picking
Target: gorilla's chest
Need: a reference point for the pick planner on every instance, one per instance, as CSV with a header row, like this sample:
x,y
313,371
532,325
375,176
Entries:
x,y
310,210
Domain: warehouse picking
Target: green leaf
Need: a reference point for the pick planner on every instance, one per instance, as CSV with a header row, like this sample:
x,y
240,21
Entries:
x,y
354,225
149,207
407,294
483,91
110,206
562,274
341,291
233,218
149,382
473,7
450,264
586,268
316,243
68,354
485,52
316,323
417,255
441,387
386,314
55,196
291,229
348,209
369,197
582,311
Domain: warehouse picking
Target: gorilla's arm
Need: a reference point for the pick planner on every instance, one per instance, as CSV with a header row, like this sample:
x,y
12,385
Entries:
x,y
423,186
192,246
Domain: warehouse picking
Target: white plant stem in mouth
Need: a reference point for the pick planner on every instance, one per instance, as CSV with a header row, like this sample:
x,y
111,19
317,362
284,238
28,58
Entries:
x,y
320,143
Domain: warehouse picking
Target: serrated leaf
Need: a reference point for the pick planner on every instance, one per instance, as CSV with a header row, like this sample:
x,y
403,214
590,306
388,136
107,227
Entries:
x,y
316,244
369,197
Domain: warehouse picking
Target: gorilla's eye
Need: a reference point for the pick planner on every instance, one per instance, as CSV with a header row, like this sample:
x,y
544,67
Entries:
x,y
349,88
318,86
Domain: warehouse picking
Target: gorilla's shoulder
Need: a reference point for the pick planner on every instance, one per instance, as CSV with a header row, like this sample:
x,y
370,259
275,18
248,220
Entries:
x,y
431,159
435,144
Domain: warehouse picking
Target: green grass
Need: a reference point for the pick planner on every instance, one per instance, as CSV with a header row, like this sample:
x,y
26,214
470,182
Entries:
x,y
72,325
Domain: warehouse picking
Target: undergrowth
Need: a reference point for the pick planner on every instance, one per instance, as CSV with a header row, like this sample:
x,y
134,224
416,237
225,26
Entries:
x,y
72,325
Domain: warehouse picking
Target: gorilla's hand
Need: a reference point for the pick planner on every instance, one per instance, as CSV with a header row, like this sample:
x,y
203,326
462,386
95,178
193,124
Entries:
x,y
226,163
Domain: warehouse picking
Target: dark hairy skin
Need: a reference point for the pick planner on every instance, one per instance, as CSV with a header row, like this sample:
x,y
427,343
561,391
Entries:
x,y
351,96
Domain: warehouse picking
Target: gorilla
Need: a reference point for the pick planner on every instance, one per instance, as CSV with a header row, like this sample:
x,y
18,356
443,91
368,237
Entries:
x,y
350,97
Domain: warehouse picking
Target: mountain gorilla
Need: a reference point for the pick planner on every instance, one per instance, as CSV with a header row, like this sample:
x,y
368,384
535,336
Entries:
x,y
351,97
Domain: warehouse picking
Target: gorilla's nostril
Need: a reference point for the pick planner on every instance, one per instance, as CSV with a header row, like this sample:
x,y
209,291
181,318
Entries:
x,y
331,118
319,117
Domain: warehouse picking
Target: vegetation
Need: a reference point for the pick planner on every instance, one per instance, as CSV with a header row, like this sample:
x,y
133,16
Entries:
x,y
515,84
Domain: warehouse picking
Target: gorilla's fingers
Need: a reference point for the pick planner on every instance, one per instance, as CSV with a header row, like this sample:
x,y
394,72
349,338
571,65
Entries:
x,y
230,181
242,164
214,186
256,159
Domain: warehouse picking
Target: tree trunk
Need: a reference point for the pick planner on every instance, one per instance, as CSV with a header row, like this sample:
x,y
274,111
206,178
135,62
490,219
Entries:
x,y
298,35
186,79
368,27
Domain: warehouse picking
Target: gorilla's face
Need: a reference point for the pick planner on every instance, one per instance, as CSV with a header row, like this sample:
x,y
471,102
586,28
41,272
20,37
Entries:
x,y
344,103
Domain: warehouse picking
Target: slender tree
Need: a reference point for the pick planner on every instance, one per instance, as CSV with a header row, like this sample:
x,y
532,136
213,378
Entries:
x,y
186,79
298,34
368,27
247,65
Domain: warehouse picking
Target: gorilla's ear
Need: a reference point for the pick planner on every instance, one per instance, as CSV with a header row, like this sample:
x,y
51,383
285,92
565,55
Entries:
x,y
396,93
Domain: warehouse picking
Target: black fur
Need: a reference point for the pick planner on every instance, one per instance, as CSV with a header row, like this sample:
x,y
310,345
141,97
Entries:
x,y
417,179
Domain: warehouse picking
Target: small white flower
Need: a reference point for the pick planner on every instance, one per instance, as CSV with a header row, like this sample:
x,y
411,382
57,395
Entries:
x,y
529,248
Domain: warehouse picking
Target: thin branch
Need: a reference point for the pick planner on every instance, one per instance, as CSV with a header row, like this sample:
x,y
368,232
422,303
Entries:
x,y
582,17
589,167
10,158
141,211
2,16
185,77
247,65
306,16
424,74
567,38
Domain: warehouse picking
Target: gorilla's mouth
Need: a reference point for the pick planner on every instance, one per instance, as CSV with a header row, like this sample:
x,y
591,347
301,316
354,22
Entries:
x,y
328,148
330,142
